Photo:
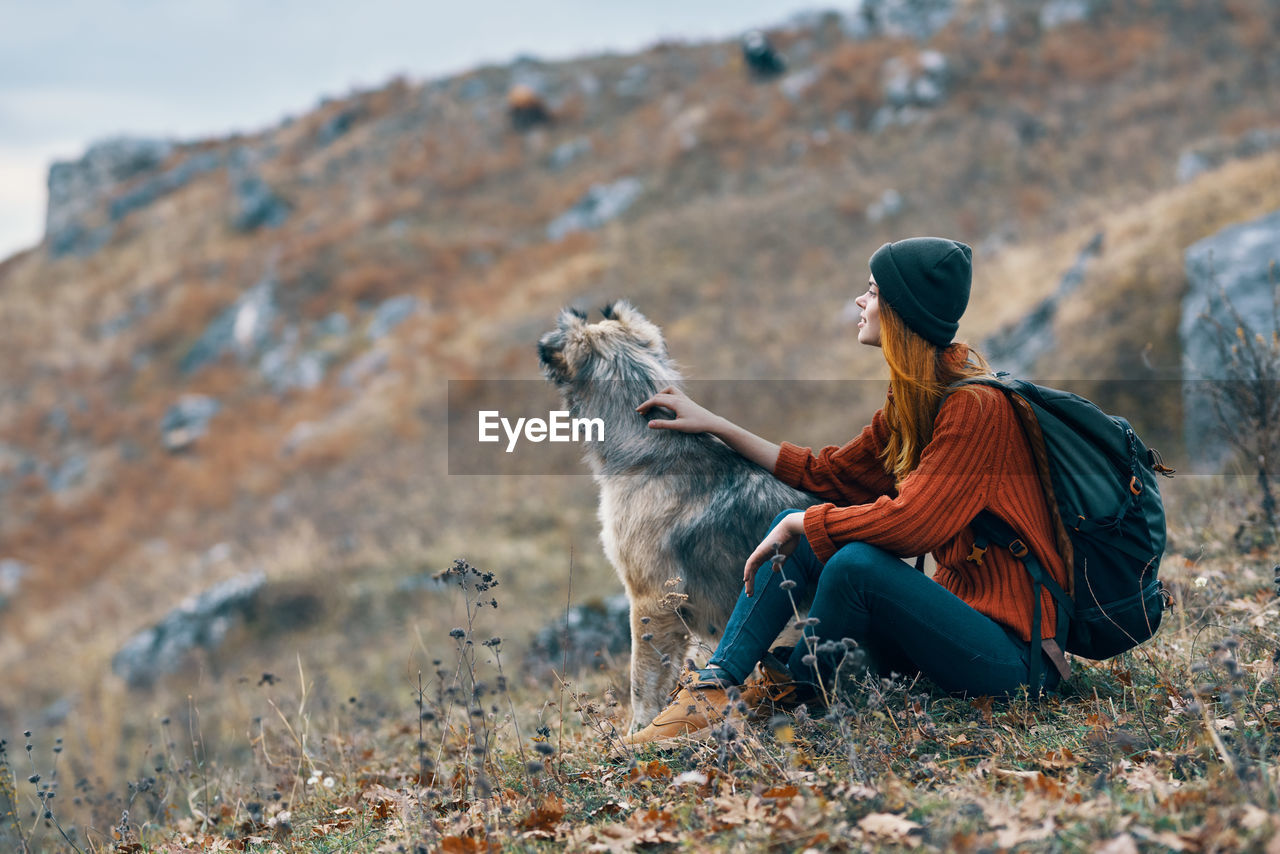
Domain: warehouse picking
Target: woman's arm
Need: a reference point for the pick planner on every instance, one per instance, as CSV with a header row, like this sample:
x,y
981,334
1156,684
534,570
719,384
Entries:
x,y
959,470
694,418
849,474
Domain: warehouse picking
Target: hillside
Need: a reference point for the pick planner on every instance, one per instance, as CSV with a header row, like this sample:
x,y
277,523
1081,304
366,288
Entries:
x,y
323,281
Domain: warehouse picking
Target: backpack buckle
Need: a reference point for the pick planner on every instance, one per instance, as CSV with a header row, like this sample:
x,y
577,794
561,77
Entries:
x,y
977,554
1019,549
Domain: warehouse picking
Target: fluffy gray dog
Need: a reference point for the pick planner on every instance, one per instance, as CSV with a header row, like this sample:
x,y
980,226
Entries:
x,y
679,513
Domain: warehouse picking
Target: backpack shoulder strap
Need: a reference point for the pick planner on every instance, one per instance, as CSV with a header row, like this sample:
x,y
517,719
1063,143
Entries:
x,y
1040,454
990,527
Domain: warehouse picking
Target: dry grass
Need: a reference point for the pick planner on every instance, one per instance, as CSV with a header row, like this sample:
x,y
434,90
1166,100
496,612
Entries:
x,y
1172,746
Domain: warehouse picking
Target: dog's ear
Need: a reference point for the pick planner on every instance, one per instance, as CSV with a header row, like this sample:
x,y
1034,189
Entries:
x,y
572,317
607,312
640,327
551,359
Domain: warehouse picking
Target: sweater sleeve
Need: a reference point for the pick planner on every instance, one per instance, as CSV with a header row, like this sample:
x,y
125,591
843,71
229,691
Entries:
x,y
852,474
957,474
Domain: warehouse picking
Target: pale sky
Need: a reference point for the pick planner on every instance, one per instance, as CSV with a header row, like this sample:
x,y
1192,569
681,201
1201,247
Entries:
x,y
76,71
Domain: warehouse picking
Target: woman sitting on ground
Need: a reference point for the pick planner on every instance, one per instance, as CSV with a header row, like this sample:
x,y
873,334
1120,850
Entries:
x,y
909,484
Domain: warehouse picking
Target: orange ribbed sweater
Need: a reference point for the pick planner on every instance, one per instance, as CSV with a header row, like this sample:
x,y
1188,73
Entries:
x,y
978,459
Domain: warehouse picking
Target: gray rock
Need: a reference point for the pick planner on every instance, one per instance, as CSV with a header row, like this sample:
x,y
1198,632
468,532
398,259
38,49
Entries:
x,y
75,239
422,581
390,314
1018,347
567,152
12,461
363,367
77,188
634,82
588,84
298,435
57,712
472,89
11,574
286,368
915,19
244,328
1192,164
595,631
1212,153
1055,13
334,325
201,622
889,205
58,421
68,474
337,125
601,204
254,204
794,85
888,116
139,307
186,421
918,83
145,192
1238,261
992,18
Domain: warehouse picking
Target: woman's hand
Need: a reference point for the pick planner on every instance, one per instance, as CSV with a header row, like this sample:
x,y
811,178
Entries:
x,y
690,417
782,540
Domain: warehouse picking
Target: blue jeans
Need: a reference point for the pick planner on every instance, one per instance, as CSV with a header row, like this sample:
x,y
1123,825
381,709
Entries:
x,y
906,622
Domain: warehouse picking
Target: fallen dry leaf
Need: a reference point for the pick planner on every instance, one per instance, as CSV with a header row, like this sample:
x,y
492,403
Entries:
x,y
1016,834
784,793
1168,839
1057,760
890,827
1253,818
544,817
1122,844
611,809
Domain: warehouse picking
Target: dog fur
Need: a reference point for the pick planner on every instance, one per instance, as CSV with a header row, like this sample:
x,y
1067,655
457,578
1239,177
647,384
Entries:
x,y
679,513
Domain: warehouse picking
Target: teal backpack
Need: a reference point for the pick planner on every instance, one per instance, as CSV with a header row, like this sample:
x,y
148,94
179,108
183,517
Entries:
x,y
1100,482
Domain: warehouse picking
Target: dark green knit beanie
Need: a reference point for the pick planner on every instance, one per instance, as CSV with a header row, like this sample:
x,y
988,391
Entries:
x,y
925,281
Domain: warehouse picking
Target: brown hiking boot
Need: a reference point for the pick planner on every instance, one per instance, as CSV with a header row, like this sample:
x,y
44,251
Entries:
x,y
770,690
694,709
697,706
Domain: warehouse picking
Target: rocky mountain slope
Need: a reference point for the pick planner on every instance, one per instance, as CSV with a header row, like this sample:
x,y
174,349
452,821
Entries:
x,y
229,358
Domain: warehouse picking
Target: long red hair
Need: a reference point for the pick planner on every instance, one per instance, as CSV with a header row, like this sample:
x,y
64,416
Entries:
x,y
919,373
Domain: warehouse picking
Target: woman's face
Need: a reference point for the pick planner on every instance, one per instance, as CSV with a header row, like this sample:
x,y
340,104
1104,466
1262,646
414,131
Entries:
x,y
869,325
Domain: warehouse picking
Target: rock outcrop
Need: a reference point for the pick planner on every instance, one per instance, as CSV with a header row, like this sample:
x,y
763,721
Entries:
x,y
1243,263
915,19
601,204
186,421
11,574
595,632
244,328
78,187
1018,347
201,622
1206,156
